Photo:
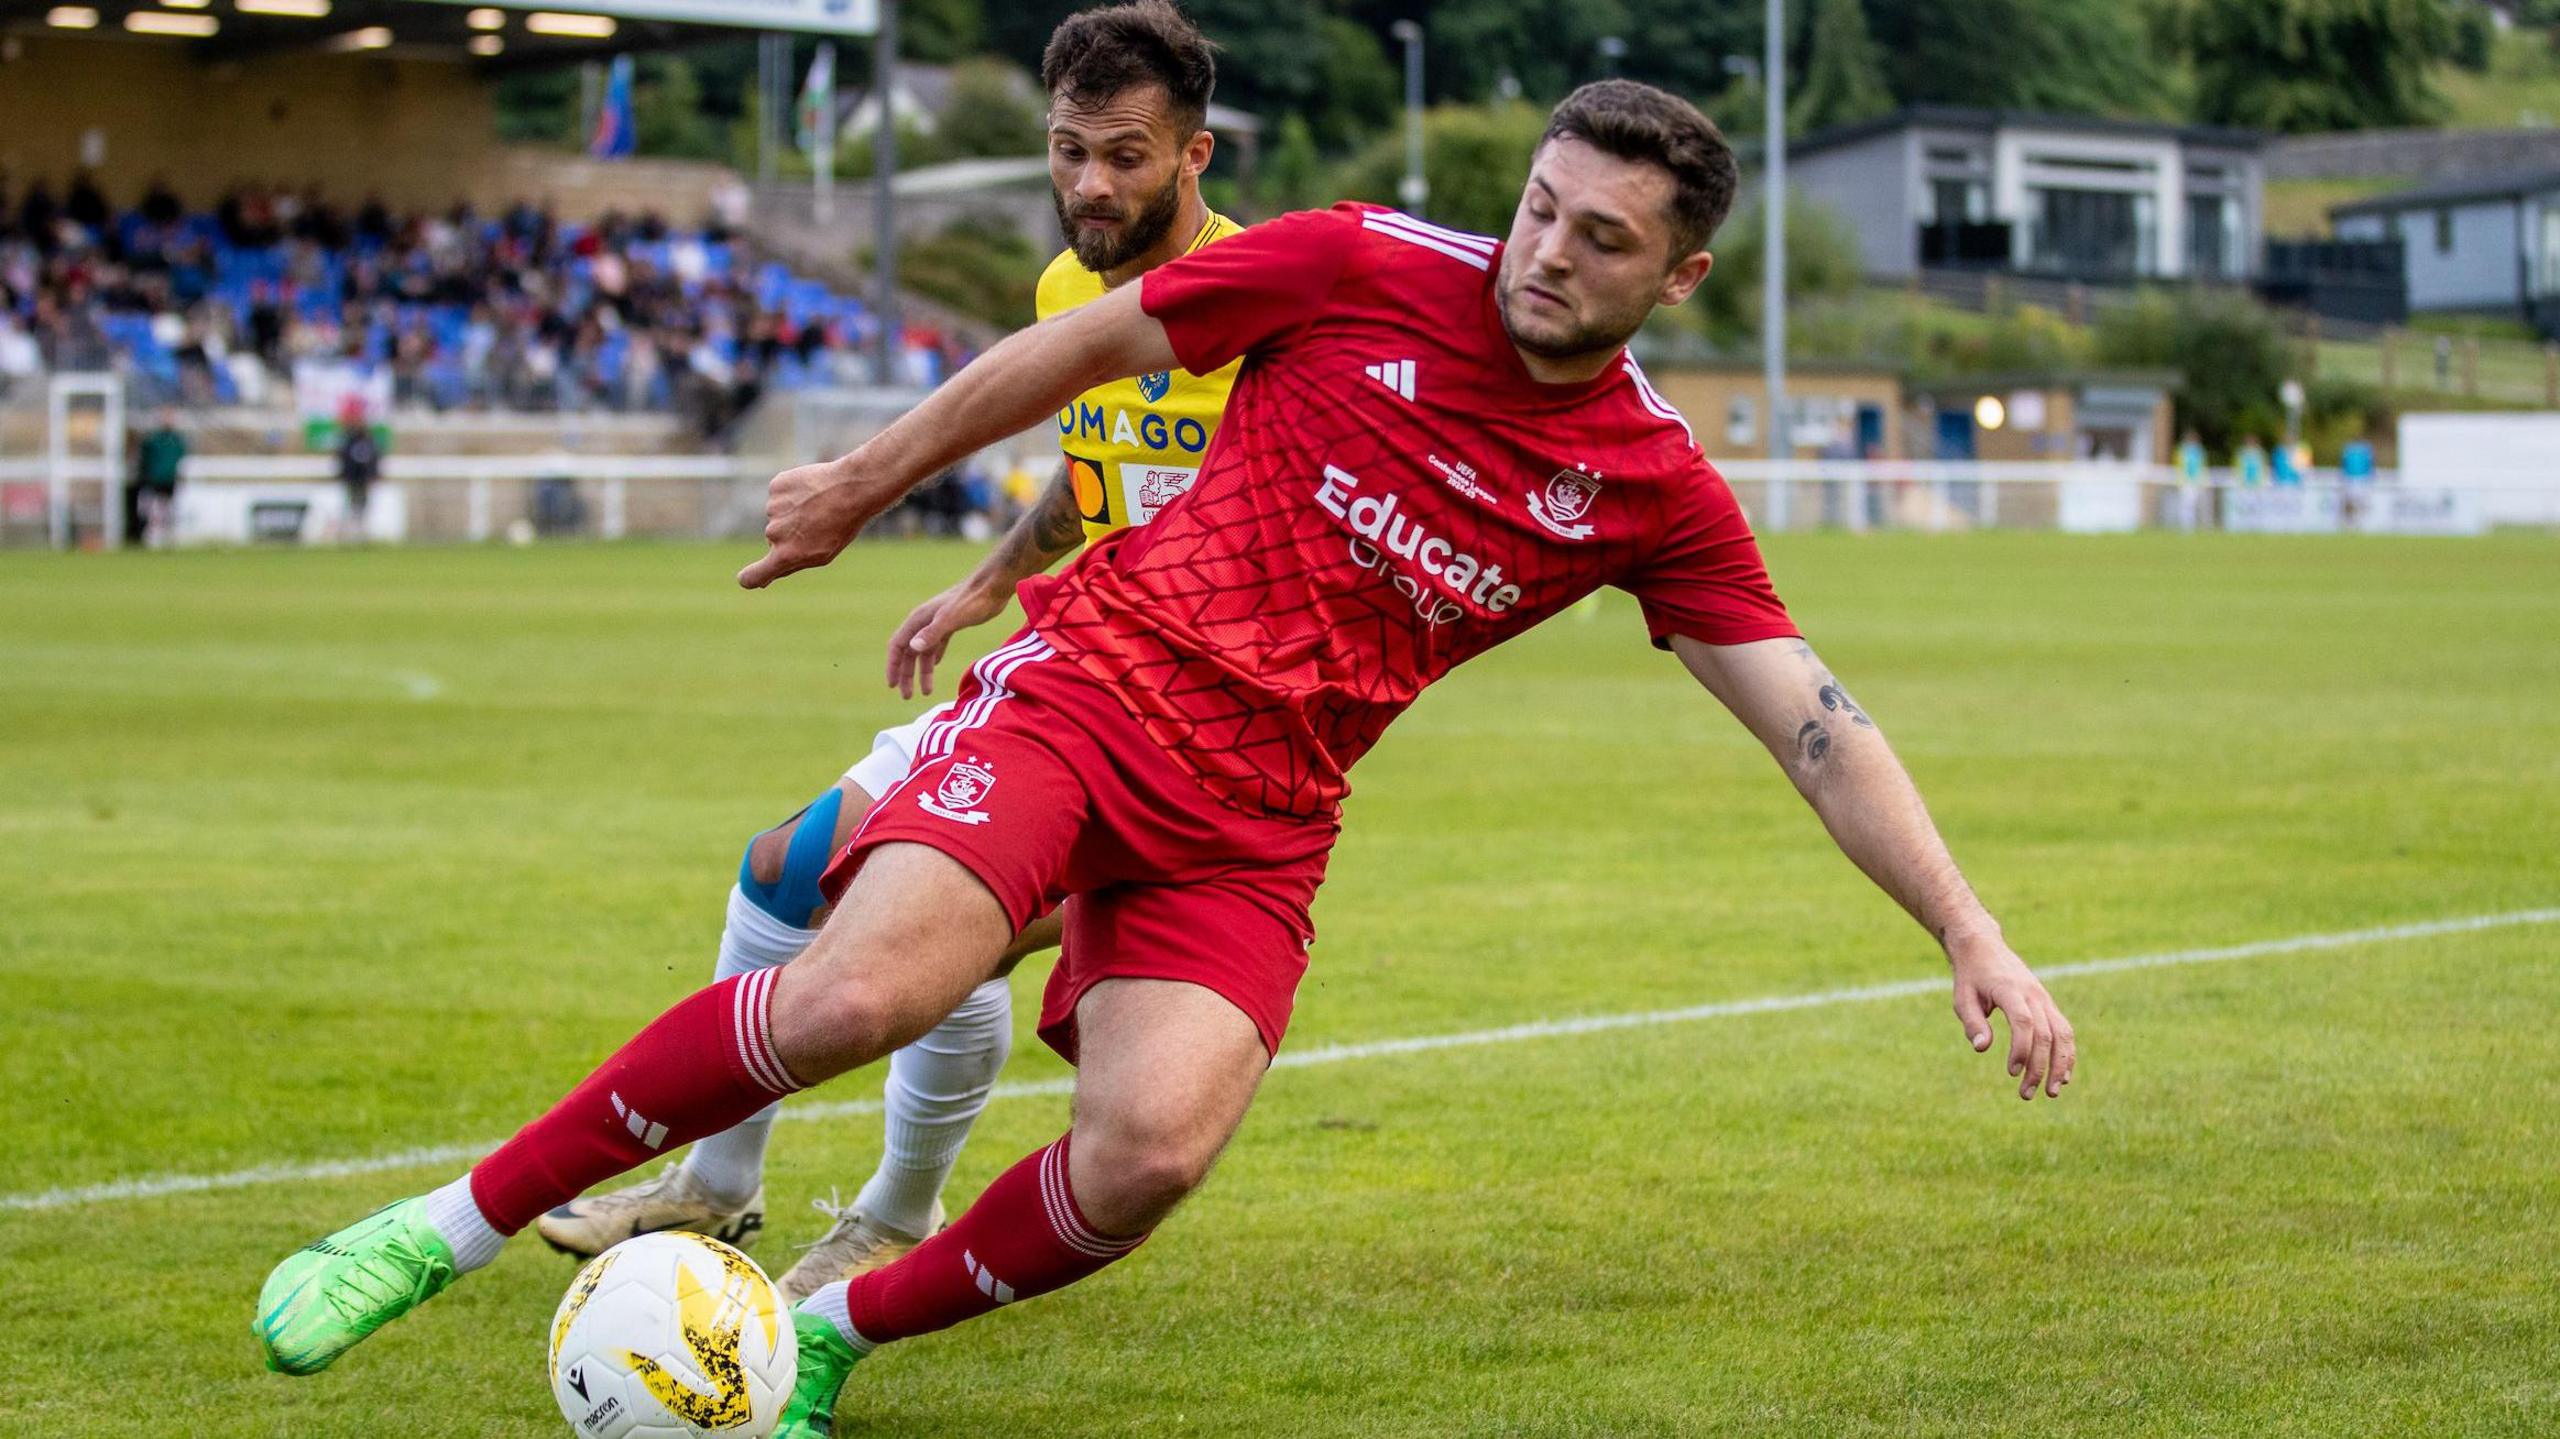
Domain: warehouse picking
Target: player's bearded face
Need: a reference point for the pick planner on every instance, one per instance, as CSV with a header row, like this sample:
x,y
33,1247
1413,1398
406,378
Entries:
x,y
1125,231
1115,175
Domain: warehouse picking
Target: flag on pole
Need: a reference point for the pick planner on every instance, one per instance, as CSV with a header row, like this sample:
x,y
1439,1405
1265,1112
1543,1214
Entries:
x,y
616,135
818,103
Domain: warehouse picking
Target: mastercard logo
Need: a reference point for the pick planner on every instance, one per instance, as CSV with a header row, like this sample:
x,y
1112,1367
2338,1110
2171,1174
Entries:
x,y
1092,500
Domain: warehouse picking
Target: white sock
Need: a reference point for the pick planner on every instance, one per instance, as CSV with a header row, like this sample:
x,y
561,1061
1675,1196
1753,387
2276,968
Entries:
x,y
456,1218
729,1166
937,1088
829,1303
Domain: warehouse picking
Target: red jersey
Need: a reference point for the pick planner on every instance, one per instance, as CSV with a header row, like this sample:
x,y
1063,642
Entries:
x,y
1391,494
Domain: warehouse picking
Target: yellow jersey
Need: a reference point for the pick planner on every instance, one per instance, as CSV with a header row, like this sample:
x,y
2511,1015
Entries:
x,y
1133,445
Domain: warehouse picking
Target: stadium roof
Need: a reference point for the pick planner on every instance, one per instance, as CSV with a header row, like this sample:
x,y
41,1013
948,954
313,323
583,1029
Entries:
x,y
509,35
1962,117
2512,185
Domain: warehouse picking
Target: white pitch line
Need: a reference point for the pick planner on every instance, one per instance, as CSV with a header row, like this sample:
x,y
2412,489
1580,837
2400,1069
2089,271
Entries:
x,y
165,1185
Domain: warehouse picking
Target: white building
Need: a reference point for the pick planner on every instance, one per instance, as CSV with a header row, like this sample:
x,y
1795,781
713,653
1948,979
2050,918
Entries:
x,y
2488,245
2056,196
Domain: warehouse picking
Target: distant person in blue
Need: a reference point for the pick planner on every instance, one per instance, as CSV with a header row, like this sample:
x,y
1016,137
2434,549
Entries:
x,y
2191,459
2356,465
2253,463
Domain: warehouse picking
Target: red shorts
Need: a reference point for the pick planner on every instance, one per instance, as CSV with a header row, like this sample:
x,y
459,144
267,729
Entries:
x,y
1043,785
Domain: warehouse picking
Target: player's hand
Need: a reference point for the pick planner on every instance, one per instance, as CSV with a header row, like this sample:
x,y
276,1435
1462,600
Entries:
x,y
811,513
920,642
1989,975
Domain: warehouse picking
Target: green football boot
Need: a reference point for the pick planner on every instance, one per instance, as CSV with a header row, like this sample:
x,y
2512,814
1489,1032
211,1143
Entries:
x,y
825,1360
327,1297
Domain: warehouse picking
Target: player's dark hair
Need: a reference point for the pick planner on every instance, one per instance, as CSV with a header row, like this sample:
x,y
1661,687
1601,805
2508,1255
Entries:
x,y
1111,49
1635,121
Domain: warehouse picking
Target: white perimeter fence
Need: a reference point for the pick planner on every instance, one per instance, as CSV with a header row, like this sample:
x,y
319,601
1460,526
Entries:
x,y
242,500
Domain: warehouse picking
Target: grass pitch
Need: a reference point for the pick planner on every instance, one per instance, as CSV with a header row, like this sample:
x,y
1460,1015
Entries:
x,y
318,857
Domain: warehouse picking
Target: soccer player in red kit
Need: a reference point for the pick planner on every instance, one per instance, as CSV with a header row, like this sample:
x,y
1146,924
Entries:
x,y
1437,440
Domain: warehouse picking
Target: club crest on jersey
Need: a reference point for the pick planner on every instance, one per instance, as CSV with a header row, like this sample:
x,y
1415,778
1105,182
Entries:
x,y
1568,498
1155,384
965,786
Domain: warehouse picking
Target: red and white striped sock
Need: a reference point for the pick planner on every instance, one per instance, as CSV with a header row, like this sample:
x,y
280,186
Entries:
x,y
1025,1236
697,1069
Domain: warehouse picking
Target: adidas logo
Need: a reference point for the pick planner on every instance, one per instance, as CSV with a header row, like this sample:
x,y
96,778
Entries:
x,y
647,1131
988,1284
1396,375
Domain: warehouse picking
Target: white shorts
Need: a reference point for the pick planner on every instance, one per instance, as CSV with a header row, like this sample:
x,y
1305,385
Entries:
x,y
892,752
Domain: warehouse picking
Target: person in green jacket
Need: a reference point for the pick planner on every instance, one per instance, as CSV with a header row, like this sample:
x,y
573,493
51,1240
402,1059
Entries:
x,y
151,501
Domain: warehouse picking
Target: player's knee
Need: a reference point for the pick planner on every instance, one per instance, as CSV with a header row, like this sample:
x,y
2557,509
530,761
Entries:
x,y
780,871
824,1024
767,852
1147,1169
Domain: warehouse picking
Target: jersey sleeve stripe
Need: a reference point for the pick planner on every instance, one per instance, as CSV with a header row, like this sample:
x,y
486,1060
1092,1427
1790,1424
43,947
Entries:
x,y
1467,238
1653,402
1454,252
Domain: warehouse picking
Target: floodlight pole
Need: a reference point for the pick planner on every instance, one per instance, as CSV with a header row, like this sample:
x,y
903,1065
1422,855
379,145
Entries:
x,y
1415,190
769,112
1773,208
884,184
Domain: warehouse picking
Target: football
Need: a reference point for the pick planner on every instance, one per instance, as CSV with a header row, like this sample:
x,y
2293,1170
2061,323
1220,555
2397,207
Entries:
x,y
672,1336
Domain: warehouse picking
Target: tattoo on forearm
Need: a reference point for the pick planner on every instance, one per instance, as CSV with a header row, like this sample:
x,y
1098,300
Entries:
x,y
1837,701
1056,526
1051,528
1813,742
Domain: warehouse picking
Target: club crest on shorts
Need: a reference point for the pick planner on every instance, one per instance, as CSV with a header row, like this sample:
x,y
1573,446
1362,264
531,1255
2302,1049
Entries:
x,y
1568,498
965,786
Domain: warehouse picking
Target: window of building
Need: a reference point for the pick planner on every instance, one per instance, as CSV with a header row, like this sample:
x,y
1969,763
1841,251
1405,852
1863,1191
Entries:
x,y
2444,232
2550,248
2209,240
1958,202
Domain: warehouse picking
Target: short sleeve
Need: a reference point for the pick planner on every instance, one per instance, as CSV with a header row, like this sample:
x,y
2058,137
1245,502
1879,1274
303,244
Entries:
x,y
1050,297
1707,581
1251,291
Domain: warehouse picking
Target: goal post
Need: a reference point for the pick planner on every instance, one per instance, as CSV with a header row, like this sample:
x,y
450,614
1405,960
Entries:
x,y
65,396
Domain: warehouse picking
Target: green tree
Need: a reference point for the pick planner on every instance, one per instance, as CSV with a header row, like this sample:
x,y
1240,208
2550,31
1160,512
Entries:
x,y
539,107
1544,47
2313,65
1358,90
2230,358
941,32
2474,39
668,115
2073,56
1293,171
1476,158
1681,45
1273,52
1845,83
991,111
987,271
1822,263
1019,29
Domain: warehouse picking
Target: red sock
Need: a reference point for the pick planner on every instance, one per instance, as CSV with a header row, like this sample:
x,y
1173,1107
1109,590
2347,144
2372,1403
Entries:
x,y
697,1069
1024,1236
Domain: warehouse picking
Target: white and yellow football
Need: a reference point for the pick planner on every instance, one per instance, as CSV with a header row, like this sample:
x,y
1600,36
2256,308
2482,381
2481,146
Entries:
x,y
672,1336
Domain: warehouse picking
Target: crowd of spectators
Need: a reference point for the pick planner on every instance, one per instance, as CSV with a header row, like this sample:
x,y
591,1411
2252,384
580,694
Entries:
x,y
519,311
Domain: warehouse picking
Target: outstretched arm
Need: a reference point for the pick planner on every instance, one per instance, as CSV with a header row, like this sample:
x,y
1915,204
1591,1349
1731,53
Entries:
x,y
1842,766
814,511
1047,532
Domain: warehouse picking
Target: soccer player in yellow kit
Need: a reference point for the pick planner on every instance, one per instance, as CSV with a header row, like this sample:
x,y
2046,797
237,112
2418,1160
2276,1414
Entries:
x,y
1129,88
